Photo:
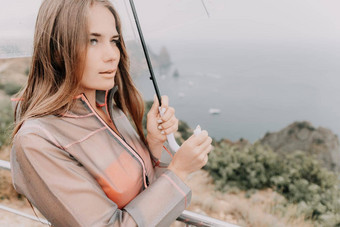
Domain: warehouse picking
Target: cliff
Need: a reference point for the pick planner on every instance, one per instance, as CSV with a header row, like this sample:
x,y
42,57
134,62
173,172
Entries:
x,y
319,142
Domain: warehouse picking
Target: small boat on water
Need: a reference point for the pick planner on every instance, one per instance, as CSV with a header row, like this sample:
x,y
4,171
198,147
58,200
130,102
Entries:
x,y
214,111
181,94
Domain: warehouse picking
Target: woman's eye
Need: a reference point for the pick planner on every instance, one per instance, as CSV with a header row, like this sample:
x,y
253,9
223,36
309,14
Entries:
x,y
115,41
93,42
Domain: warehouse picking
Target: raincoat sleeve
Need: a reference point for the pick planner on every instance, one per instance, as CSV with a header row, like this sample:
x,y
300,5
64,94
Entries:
x,y
67,195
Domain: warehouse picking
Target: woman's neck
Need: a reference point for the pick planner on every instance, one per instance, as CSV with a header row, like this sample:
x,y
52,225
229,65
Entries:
x,y
91,97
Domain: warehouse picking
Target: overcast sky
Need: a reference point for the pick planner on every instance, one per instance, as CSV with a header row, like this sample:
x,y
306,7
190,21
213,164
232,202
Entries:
x,y
290,47
230,20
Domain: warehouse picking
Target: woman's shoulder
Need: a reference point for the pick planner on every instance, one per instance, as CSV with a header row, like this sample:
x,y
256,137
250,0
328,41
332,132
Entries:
x,y
35,131
39,127
34,139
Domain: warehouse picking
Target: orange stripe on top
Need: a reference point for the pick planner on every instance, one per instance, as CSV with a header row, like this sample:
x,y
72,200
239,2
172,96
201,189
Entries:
x,y
168,152
16,99
78,96
76,116
85,138
123,180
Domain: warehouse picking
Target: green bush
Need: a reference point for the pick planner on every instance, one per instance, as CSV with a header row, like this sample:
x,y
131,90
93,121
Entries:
x,y
27,71
6,122
147,107
304,124
184,129
12,88
250,168
298,177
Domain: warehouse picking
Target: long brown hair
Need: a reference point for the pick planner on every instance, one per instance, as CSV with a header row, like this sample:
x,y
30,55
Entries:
x,y
58,62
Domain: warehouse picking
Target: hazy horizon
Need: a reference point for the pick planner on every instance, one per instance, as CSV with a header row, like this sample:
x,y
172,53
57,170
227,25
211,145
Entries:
x,y
274,62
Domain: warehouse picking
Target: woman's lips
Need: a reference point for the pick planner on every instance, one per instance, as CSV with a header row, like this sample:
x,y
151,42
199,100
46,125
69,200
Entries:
x,y
107,72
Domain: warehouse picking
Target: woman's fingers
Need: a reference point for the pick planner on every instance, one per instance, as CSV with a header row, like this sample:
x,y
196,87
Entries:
x,y
165,101
203,159
165,105
171,129
200,138
170,123
168,114
154,110
206,145
192,155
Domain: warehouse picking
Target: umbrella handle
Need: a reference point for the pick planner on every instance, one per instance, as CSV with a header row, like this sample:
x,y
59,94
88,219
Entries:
x,y
171,138
172,142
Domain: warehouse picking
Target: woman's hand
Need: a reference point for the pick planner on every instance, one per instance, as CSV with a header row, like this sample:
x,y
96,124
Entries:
x,y
159,126
192,155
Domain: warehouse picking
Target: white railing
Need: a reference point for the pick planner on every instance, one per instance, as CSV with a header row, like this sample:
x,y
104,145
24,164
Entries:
x,y
187,217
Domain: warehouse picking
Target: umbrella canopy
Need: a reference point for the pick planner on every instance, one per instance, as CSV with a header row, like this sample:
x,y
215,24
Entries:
x,y
18,32
17,20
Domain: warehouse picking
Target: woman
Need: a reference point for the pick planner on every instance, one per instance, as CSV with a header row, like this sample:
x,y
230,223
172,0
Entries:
x,y
75,155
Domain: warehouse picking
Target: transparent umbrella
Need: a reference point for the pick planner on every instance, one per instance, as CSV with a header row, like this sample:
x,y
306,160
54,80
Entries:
x,y
17,19
171,139
17,25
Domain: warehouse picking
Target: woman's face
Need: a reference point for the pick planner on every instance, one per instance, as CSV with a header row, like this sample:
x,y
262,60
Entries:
x,y
102,56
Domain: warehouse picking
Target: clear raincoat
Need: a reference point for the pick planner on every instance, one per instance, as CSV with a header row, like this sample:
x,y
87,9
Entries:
x,y
78,172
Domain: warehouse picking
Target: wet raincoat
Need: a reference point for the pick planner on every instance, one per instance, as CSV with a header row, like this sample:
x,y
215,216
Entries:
x,y
78,172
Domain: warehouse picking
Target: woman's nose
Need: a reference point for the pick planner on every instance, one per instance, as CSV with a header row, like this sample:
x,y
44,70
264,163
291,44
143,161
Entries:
x,y
110,53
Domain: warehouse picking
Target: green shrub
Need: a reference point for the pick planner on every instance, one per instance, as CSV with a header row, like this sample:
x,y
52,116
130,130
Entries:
x,y
318,141
6,122
147,107
27,71
184,129
250,168
298,177
11,88
304,124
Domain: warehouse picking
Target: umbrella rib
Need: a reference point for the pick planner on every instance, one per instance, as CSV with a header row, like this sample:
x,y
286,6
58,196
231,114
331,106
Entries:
x,y
205,7
129,16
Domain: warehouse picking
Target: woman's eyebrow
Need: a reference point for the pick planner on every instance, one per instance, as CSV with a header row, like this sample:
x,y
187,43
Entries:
x,y
99,35
95,34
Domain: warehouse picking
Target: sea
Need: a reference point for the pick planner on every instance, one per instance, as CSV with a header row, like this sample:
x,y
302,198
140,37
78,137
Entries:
x,y
256,87
253,87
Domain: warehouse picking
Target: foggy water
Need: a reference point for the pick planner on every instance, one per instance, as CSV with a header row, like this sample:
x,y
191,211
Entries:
x,y
258,87
264,64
